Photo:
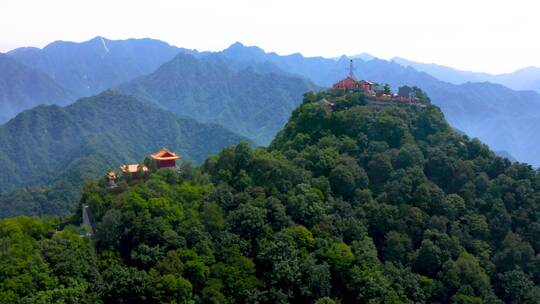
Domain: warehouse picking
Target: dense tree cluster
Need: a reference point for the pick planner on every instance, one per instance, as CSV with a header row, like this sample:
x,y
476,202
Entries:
x,y
356,205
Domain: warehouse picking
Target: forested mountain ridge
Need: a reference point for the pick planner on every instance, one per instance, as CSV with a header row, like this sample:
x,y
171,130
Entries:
x,y
355,204
49,144
22,88
212,89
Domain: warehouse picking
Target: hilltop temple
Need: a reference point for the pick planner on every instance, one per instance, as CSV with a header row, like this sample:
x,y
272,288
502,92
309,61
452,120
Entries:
x,y
377,92
134,171
165,159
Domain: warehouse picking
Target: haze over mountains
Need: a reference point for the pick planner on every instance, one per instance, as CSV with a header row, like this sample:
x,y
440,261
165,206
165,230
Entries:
x,y
95,65
266,86
22,87
208,89
523,79
63,71
496,114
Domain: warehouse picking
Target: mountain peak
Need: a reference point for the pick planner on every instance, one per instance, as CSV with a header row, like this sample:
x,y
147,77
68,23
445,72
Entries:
x,y
238,49
237,44
363,56
96,39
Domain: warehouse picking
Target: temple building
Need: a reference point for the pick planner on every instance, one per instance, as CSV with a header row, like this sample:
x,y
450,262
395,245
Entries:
x,y
366,86
112,178
406,92
329,106
134,171
164,159
348,83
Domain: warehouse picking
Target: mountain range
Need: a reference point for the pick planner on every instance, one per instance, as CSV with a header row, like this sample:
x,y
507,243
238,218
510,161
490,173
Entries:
x,y
49,143
501,117
523,79
90,67
22,87
253,104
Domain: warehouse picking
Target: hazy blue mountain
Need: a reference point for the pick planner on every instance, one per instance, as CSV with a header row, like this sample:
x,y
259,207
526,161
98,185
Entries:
x,y
232,86
499,116
504,154
322,71
363,56
92,66
494,113
443,72
70,144
522,79
243,98
22,87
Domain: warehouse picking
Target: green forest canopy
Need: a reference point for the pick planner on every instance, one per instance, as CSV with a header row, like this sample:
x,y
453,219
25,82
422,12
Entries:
x,y
355,205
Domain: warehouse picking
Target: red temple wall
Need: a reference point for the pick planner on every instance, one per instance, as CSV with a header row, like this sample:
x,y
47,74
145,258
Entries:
x,y
166,163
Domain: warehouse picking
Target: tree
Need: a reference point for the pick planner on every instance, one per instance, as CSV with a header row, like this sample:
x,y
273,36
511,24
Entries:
x,y
126,285
340,258
347,176
172,289
379,168
516,287
397,247
325,300
409,155
387,89
465,274
247,220
427,259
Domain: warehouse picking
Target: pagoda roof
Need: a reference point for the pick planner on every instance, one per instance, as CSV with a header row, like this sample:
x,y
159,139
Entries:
x,y
132,168
164,154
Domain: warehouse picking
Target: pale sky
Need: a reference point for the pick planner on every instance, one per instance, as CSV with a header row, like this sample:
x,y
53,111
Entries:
x,y
481,35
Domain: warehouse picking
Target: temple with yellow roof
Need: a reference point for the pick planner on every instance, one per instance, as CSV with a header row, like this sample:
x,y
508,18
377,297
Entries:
x,y
133,168
134,171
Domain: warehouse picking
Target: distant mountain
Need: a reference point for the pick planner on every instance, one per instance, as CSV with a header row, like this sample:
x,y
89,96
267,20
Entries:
x,y
523,79
244,81
22,87
506,155
322,71
442,72
363,56
501,117
52,144
249,101
92,66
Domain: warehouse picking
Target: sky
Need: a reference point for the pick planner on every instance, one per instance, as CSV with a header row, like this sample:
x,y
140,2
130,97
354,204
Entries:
x,y
479,35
